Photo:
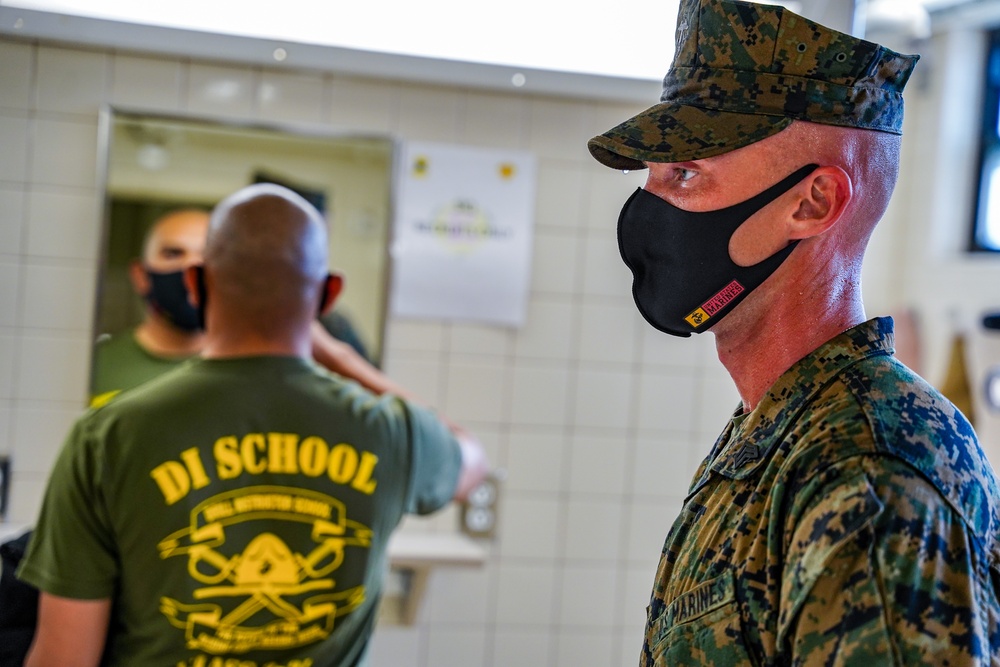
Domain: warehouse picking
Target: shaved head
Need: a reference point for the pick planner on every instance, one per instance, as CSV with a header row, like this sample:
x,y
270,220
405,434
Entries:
x,y
266,257
870,158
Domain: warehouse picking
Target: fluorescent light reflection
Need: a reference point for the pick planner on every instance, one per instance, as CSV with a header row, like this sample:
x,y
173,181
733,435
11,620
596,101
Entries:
x,y
556,35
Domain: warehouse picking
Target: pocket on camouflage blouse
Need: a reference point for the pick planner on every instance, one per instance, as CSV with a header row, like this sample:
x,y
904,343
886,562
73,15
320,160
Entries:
x,y
702,627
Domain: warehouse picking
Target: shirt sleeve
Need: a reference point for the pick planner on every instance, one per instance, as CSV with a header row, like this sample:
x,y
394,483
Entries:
x,y
436,461
883,571
71,552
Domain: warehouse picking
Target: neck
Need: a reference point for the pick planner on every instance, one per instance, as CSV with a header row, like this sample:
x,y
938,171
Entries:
x,y
776,331
159,337
229,337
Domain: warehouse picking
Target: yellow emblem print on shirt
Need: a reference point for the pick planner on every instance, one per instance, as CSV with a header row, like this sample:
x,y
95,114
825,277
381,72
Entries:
x,y
254,591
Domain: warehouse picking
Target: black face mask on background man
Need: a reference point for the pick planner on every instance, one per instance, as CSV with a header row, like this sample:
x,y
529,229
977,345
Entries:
x,y
684,280
168,297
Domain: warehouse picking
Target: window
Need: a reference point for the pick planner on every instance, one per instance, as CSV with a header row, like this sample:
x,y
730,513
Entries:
x,y
986,228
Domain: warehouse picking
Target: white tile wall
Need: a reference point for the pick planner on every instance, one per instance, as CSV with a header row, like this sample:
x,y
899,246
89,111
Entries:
x,y
429,113
559,129
603,398
459,596
607,192
414,335
604,273
593,530
64,152
422,377
16,71
665,463
649,523
363,106
598,419
540,395
146,83
52,367
587,597
71,80
6,435
480,339
525,594
447,647
225,91
393,645
555,261
494,120
514,647
530,528
536,460
11,220
7,348
58,297
584,647
10,284
607,332
60,224
14,139
291,97
476,391
667,399
561,194
550,329
597,464
35,432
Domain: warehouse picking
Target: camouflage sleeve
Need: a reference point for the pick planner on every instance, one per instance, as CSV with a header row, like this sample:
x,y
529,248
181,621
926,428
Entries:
x,y
883,571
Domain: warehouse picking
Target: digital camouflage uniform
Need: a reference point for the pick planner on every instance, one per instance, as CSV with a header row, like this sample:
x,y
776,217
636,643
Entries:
x,y
850,519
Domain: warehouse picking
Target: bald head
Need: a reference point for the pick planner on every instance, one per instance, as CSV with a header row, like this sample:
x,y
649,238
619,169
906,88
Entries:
x,y
266,256
870,158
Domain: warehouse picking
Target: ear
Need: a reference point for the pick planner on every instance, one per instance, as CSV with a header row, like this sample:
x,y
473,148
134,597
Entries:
x,y
332,287
194,284
138,277
824,196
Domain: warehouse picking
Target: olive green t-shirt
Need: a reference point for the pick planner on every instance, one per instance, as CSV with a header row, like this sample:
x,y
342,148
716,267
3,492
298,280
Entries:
x,y
238,508
120,363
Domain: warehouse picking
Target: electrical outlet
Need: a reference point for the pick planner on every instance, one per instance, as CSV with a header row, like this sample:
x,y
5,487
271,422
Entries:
x,y
479,511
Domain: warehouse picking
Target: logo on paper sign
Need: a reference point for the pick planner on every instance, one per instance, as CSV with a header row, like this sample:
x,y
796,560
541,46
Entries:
x,y
722,299
253,591
421,165
462,226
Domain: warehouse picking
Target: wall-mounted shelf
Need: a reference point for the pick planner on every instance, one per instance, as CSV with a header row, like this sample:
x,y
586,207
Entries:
x,y
412,556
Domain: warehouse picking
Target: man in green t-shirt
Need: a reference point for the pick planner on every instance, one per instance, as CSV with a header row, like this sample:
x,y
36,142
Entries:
x,y
238,507
169,332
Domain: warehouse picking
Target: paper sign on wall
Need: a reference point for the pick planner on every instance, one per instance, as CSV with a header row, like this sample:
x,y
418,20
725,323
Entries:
x,y
462,233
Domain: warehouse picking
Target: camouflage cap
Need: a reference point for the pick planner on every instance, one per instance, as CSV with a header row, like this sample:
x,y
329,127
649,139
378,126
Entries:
x,y
744,71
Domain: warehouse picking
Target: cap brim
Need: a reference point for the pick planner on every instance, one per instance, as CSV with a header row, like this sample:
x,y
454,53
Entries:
x,y
670,132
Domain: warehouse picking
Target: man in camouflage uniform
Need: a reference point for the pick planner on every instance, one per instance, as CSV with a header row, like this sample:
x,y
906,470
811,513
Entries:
x,y
846,515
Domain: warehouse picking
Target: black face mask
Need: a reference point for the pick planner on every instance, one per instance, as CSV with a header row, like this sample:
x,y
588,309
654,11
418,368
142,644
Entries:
x,y
684,280
168,297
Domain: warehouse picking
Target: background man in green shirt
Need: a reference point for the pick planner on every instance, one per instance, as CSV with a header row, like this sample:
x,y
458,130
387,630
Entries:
x,y
238,506
169,332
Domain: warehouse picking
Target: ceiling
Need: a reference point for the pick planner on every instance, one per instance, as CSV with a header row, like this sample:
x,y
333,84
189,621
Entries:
x,y
550,46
